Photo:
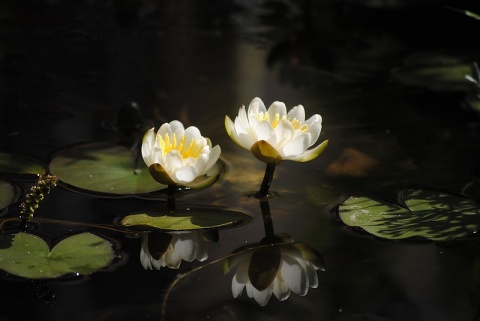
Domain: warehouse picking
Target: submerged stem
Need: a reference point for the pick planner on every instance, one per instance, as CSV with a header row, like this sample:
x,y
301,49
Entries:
x,y
171,197
267,181
267,220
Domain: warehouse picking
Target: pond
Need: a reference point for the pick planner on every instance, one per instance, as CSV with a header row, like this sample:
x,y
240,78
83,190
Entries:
x,y
381,226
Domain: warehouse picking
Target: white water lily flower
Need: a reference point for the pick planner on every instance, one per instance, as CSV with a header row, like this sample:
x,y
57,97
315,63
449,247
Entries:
x,y
175,155
274,135
169,249
278,269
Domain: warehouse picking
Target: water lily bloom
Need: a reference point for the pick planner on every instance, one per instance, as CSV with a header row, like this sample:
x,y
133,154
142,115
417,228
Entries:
x,y
274,135
169,249
177,156
279,269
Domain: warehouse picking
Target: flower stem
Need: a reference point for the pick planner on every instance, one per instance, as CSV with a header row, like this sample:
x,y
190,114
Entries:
x,y
267,220
267,181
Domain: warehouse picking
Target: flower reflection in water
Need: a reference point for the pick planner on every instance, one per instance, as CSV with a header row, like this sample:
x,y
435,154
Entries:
x,y
275,265
169,249
280,268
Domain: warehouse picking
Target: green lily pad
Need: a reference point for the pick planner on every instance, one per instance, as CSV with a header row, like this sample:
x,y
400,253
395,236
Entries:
x,y
7,194
16,164
185,219
110,170
29,256
437,78
424,214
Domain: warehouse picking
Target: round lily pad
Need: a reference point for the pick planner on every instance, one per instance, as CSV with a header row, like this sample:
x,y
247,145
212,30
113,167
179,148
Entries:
x,y
29,256
185,219
16,164
420,214
111,170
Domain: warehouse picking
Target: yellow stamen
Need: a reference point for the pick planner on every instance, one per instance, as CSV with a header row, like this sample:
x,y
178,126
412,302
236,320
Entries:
x,y
297,124
167,144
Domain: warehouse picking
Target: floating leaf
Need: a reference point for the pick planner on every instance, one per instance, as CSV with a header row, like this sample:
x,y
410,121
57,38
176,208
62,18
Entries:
x,y
30,257
7,194
432,215
436,78
16,164
111,170
185,219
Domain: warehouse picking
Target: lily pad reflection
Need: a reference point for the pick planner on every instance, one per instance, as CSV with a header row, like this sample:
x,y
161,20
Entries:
x,y
424,214
185,219
29,256
16,164
111,170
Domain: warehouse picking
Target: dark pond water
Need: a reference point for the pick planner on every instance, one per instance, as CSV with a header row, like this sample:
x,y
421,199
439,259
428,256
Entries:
x,y
388,78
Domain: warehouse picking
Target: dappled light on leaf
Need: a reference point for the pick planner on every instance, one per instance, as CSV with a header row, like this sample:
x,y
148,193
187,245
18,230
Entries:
x,y
29,256
431,215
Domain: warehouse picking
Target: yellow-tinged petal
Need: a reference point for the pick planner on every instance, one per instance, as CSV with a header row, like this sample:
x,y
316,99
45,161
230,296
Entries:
x,y
266,152
311,153
230,127
160,175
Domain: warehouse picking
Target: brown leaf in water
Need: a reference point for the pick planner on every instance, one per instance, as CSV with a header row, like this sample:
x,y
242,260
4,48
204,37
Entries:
x,y
353,163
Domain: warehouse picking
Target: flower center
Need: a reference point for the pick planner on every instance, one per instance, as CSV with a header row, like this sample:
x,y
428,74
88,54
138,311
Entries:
x,y
191,149
297,124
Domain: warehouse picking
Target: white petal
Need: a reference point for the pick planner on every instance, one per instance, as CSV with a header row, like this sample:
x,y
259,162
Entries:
x,y
256,106
201,248
237,286
297,112
314,127
264,131
165,129
262,297
148,147
294,275
185,175
241,122
280,288
193,132
277,107
296,147
311,274
172,259
176,125
184,246
200,163
212,158
311,153
284,132
249,289
158,264
173,161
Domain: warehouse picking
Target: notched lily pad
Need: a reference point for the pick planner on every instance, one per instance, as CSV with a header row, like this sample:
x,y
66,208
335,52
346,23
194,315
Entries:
x,y
110,170
29,256
15,164
420,214
185,219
